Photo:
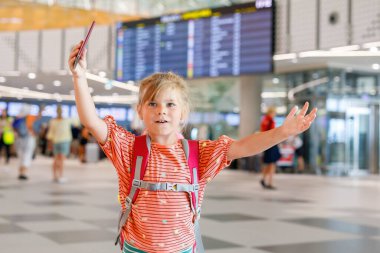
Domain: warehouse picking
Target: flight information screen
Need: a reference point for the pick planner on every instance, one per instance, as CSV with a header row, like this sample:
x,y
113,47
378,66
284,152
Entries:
x,y
226,41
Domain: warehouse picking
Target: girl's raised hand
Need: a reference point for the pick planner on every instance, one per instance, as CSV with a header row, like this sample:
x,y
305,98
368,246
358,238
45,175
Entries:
x,y
297,123
81,67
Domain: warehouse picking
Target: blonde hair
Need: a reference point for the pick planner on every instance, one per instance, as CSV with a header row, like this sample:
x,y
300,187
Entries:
x,y
152,85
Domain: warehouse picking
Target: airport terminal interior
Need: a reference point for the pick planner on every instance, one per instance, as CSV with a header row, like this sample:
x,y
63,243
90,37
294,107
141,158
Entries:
x,y
242,60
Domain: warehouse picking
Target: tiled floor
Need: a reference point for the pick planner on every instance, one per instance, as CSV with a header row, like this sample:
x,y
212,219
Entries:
x,y
307,214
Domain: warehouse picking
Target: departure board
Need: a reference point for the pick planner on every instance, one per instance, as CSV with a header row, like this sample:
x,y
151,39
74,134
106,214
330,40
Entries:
x,y
226,41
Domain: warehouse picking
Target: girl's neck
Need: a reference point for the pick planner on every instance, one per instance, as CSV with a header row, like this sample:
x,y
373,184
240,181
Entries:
x,y
166,140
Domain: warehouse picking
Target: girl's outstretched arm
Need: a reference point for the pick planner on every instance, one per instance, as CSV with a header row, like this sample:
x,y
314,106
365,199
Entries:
x,y
85,105
256,143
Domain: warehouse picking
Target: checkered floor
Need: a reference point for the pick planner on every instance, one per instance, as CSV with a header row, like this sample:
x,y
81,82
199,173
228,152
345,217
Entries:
x,y
306,214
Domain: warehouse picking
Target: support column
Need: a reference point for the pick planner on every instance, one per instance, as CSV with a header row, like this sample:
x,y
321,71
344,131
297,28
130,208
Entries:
x,y
250,104
250,113
374,139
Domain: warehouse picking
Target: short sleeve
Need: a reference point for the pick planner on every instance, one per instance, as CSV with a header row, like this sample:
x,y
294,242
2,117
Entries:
x,y
213,157
118,146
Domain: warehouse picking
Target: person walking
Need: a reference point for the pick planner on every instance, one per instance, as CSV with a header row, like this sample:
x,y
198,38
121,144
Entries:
x,y
60,135
271,155
7,136
26,138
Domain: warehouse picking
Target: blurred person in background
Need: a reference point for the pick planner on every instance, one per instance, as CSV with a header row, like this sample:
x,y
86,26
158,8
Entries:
x,y
83,140
42,139
298,146
26,138
271,155
7,136
75,131
59,134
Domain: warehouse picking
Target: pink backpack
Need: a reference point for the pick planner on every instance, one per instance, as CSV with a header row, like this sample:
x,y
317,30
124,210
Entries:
x,y
139,165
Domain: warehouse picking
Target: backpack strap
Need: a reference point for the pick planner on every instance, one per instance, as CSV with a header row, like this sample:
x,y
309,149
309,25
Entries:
x,y
191,148
140,161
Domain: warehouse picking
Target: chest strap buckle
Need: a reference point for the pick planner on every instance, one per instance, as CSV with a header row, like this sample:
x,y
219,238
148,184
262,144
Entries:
x,y
171,186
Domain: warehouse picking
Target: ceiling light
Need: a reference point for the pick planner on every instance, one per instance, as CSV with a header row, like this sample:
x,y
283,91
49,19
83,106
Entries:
x,y
279,57
57,83
273,94
115,83
2,79
11,92
25,88
373,49
371,44
338,54
91,89
32,75
108,86
346,48
57,97
275,80
376,66
102,74
40,86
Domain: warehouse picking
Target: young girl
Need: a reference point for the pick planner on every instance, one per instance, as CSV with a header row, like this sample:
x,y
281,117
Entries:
x,y
162,221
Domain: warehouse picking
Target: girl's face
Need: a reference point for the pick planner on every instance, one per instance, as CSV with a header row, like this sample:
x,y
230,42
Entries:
x,y
162,116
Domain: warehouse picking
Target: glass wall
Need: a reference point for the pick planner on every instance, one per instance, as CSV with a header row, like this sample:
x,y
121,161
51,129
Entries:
x,y
341,140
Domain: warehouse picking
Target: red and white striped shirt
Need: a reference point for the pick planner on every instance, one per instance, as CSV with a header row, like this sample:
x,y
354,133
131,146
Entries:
x,y
161,221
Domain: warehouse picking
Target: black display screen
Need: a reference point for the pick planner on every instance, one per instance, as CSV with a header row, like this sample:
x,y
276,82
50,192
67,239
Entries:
x,y
227,41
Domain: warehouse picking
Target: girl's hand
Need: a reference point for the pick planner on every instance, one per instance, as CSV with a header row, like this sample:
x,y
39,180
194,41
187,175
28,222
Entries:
x,y
297,123
81,67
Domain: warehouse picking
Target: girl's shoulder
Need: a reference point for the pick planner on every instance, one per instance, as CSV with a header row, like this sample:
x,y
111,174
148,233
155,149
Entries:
x,y
222,141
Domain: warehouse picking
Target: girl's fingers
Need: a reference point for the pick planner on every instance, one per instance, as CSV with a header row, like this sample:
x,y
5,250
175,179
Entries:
x,y
304,109
74,51
83,56
76,48
292,112
311,116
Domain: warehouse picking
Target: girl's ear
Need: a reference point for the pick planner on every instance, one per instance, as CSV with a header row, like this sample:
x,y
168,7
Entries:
x,y
184,116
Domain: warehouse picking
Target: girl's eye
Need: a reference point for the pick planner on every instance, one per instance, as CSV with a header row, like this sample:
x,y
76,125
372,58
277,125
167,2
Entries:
x,y
152,104
171,104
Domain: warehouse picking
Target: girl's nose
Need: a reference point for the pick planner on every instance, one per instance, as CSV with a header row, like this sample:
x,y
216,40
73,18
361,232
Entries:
x,y
161,110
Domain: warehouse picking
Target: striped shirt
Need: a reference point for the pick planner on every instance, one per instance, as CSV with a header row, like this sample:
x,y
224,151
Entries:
x,y
161,221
